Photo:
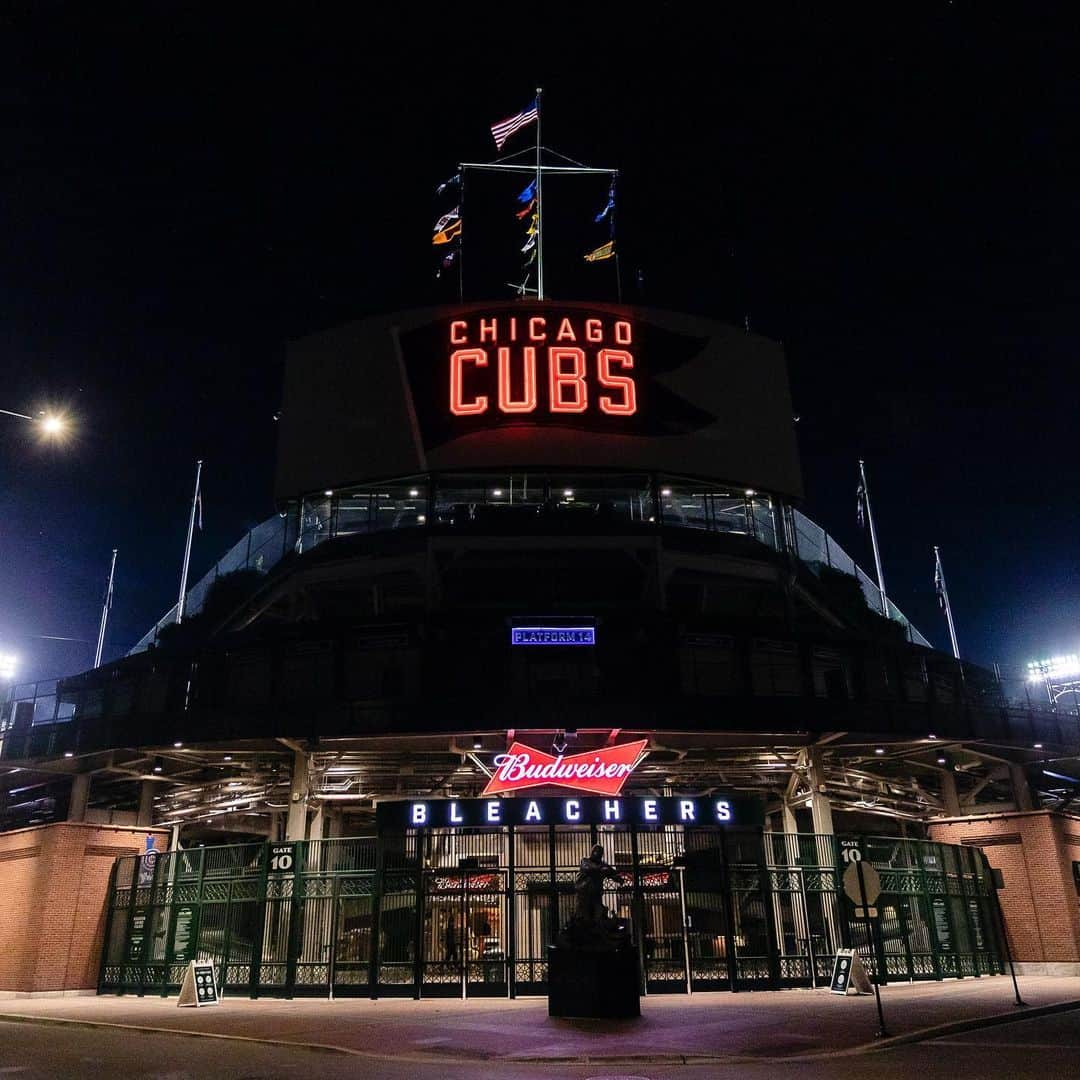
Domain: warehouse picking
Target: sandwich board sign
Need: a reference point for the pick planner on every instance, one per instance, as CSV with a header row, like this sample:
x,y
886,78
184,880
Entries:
x,y
199,986
849,972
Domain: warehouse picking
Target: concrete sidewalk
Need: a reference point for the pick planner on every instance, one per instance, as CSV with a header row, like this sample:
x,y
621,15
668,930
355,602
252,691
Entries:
x,y
718,1026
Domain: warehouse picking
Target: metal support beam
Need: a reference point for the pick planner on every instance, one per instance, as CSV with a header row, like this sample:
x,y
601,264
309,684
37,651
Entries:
x,y
296,826
1021,788
80,795
146,804
820,807
949,795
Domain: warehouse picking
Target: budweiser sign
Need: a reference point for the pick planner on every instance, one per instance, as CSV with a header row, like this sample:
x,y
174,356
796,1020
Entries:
x,y
602,772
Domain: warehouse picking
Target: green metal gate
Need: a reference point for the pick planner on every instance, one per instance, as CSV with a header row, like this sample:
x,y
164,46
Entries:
x,y
471,911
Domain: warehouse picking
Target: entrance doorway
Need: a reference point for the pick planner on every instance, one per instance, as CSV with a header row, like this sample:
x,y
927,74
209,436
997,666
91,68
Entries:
x,y
464,943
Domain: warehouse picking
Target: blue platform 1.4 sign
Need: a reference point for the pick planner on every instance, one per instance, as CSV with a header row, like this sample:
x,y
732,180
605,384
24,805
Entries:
x,y
553,635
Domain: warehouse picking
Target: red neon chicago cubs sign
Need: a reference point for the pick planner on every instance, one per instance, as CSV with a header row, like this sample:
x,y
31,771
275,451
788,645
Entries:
x,y
525,366
602,772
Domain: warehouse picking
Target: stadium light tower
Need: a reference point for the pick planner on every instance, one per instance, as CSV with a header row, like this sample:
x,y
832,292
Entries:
x,y
1060,674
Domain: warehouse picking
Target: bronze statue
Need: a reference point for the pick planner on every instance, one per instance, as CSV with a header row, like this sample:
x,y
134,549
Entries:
x,y
589,886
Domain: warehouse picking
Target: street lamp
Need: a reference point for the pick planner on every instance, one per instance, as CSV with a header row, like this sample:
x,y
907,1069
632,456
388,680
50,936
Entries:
x,y
51,426
8,663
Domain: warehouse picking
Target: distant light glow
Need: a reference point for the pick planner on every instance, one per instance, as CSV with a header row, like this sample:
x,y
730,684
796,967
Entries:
x,y
497,492
666,492
414,493
9,662
1066,666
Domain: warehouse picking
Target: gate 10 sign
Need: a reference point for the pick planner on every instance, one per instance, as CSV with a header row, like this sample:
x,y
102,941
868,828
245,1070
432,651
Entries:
x,y
282,858
530,366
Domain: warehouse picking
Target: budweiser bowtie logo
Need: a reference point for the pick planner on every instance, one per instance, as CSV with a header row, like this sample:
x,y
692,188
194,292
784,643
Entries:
x,y
601,772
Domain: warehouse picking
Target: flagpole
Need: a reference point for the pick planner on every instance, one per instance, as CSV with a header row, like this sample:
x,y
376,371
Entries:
x,y
873,541
461,237
945,598
539,207
105,612
187,548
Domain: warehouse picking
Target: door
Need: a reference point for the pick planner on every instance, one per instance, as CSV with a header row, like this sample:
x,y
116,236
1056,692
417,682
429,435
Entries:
x,y
353,925
465,943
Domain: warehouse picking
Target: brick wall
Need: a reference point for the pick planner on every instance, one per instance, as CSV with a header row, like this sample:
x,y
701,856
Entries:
x,y
1034,852
53,883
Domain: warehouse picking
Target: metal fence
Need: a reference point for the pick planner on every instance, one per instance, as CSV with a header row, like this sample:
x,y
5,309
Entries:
x,y
469,912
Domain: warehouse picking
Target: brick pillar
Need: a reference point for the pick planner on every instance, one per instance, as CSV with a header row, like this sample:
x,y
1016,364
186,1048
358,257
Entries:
x,y
1034,852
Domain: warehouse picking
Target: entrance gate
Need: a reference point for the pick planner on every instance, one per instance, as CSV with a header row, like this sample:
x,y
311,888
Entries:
x,y
471,911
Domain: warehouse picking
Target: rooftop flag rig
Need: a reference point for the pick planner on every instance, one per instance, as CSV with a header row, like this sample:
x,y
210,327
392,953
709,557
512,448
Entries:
x,y
530,200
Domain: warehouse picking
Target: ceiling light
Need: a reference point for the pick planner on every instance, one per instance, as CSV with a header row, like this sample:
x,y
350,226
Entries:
x,y
568,493
414,493
477,743
68,753
942,759
1038,746
328,492
879,750
497,492
228,757
931,736
666,492
178,744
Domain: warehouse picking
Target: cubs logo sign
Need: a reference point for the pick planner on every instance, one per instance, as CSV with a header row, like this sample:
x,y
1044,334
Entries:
x,y
600,772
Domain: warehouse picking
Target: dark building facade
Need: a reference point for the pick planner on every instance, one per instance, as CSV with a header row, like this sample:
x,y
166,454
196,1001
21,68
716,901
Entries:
x,y
525,536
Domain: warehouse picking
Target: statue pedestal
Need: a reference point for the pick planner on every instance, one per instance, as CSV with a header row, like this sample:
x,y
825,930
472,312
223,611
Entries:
x,y
599,983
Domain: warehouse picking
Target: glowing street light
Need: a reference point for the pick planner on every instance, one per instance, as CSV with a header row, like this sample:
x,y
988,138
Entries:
x,y
8,663
52,426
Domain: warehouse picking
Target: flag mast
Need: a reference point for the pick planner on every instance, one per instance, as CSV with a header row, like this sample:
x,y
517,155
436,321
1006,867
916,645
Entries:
x,y
873,540
105,612
539,207
187,547
943,594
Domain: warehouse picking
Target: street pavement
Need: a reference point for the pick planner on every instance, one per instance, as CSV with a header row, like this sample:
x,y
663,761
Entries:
x,y
749,1026
1043,1048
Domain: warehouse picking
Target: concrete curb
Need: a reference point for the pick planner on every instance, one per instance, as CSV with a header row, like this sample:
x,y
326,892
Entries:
x,y
919,1035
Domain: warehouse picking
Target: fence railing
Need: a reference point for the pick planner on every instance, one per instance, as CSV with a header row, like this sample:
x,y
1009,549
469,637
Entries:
x,y
472,911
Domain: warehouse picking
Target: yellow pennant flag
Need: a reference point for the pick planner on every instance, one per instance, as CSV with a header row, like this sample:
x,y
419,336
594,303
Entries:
x,y
604,251
448,234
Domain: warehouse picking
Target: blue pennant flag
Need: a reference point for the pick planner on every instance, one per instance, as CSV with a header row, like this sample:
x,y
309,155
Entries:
x,y
528,194
610,204
454,181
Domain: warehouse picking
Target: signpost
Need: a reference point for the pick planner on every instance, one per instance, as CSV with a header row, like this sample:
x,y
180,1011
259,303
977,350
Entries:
x,y
862,885
199,987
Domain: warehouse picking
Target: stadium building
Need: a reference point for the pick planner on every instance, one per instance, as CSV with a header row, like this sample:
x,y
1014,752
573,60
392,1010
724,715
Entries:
x,y
540,577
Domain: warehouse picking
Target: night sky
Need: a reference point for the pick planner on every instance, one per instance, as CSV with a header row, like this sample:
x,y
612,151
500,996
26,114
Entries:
x,y
895,198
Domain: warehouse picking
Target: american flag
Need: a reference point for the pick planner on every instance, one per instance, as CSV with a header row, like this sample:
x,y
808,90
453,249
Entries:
x,y
505,128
